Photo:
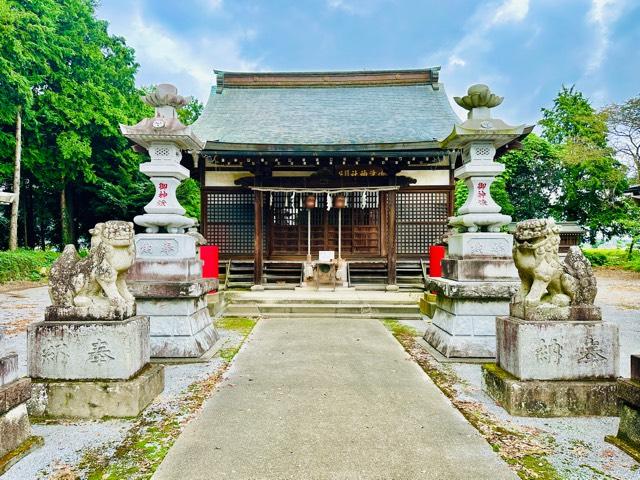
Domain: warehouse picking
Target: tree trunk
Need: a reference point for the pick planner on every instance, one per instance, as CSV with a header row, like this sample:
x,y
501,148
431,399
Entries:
x,y
29,213
66,228
631,245
13,225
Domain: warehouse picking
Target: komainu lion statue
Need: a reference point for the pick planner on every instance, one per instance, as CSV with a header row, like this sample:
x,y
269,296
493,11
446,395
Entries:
x,y
96,283
550,290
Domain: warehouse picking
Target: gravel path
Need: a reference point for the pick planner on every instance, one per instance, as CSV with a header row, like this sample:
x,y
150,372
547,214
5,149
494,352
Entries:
x,y
66,443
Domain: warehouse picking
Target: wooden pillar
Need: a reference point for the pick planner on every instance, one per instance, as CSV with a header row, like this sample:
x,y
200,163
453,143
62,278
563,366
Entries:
x,y
391,237
258,260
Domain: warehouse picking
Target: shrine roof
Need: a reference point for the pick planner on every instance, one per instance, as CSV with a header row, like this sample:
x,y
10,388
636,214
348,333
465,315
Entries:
x,y
332,109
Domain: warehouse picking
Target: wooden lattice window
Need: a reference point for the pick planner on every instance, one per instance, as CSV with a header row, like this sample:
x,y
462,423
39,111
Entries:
x,y
422,219
229,221
288,224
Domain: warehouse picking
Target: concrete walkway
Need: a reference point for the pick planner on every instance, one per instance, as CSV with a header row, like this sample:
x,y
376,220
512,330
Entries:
x,y
329,399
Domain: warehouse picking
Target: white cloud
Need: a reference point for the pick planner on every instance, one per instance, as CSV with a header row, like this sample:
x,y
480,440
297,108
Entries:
x,y
342,5
354,7
188,63
456,61
602,15
460,65
511,11
479,26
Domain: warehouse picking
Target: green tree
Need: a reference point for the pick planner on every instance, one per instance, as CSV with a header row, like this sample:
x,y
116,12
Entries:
x,y
572,116
191,111
594,181
83,88
624,131
23,53
533,178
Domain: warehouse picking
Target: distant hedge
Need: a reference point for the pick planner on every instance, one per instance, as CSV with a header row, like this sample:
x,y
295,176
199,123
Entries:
x,y
613,257
25,264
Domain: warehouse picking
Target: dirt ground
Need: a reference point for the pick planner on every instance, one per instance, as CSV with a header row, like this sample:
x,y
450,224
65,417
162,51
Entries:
x,y
619,288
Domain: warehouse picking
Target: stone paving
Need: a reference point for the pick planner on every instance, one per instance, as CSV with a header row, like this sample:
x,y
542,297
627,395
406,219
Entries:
x,y
323,398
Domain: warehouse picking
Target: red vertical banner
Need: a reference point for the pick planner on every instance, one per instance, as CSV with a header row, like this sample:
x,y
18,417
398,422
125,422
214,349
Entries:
x,y
209,257
436,254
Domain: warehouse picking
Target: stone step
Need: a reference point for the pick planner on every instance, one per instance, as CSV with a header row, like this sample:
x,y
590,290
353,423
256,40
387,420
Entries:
x,y
234,284
271,276
396,299
235,277
346,316
368,280
363,287
307,308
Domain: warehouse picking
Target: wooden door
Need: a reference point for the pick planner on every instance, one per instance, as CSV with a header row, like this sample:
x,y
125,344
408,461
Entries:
x,y
361,226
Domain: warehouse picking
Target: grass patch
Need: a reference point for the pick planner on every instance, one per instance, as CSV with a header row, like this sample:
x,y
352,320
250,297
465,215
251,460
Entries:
x,y
241,325
26,265
613,258
398,329
523,449
227,354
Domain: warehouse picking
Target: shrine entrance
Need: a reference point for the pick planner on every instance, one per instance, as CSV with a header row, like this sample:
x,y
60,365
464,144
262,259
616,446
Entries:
x,y
361,219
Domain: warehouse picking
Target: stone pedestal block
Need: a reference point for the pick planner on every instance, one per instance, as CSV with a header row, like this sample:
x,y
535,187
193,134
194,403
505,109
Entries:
x,y
465,328
546,312
178,270
164,246
463,324
628,437
167,282
97,399
8,368
535,398
88,350
15,429
14,393
480,244
187,335
479,270
557,350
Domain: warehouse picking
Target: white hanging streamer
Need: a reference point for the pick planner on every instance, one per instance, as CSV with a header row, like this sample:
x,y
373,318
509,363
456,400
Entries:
x,y
328,201
327,190
293,198
363,199
271,199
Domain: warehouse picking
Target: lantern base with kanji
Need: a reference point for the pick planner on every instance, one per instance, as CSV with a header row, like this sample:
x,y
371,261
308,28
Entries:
x,y
166,280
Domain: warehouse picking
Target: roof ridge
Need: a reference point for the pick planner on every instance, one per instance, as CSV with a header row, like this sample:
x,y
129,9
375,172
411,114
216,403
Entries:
x,y
425,76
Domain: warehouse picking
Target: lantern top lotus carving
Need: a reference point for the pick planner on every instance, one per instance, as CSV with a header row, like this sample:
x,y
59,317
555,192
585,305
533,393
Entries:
x,y
478,96
165,95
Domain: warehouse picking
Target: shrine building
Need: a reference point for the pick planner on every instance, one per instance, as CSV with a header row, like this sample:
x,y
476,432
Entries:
x,y
368,151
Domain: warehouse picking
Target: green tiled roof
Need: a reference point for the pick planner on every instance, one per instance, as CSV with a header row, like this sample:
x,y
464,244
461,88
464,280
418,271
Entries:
x,y
332,115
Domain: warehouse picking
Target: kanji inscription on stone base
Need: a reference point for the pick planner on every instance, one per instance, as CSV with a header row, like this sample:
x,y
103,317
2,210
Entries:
x,y
550,352
100,352
55,352
591,352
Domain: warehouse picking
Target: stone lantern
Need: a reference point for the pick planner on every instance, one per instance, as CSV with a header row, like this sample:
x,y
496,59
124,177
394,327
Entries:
x,y
167,276
478,273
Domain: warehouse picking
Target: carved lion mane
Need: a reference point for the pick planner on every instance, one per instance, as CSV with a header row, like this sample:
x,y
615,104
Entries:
x,y
99,280
544,280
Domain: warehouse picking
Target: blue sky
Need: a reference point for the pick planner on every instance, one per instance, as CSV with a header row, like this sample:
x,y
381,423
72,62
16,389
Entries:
x,y
523,49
